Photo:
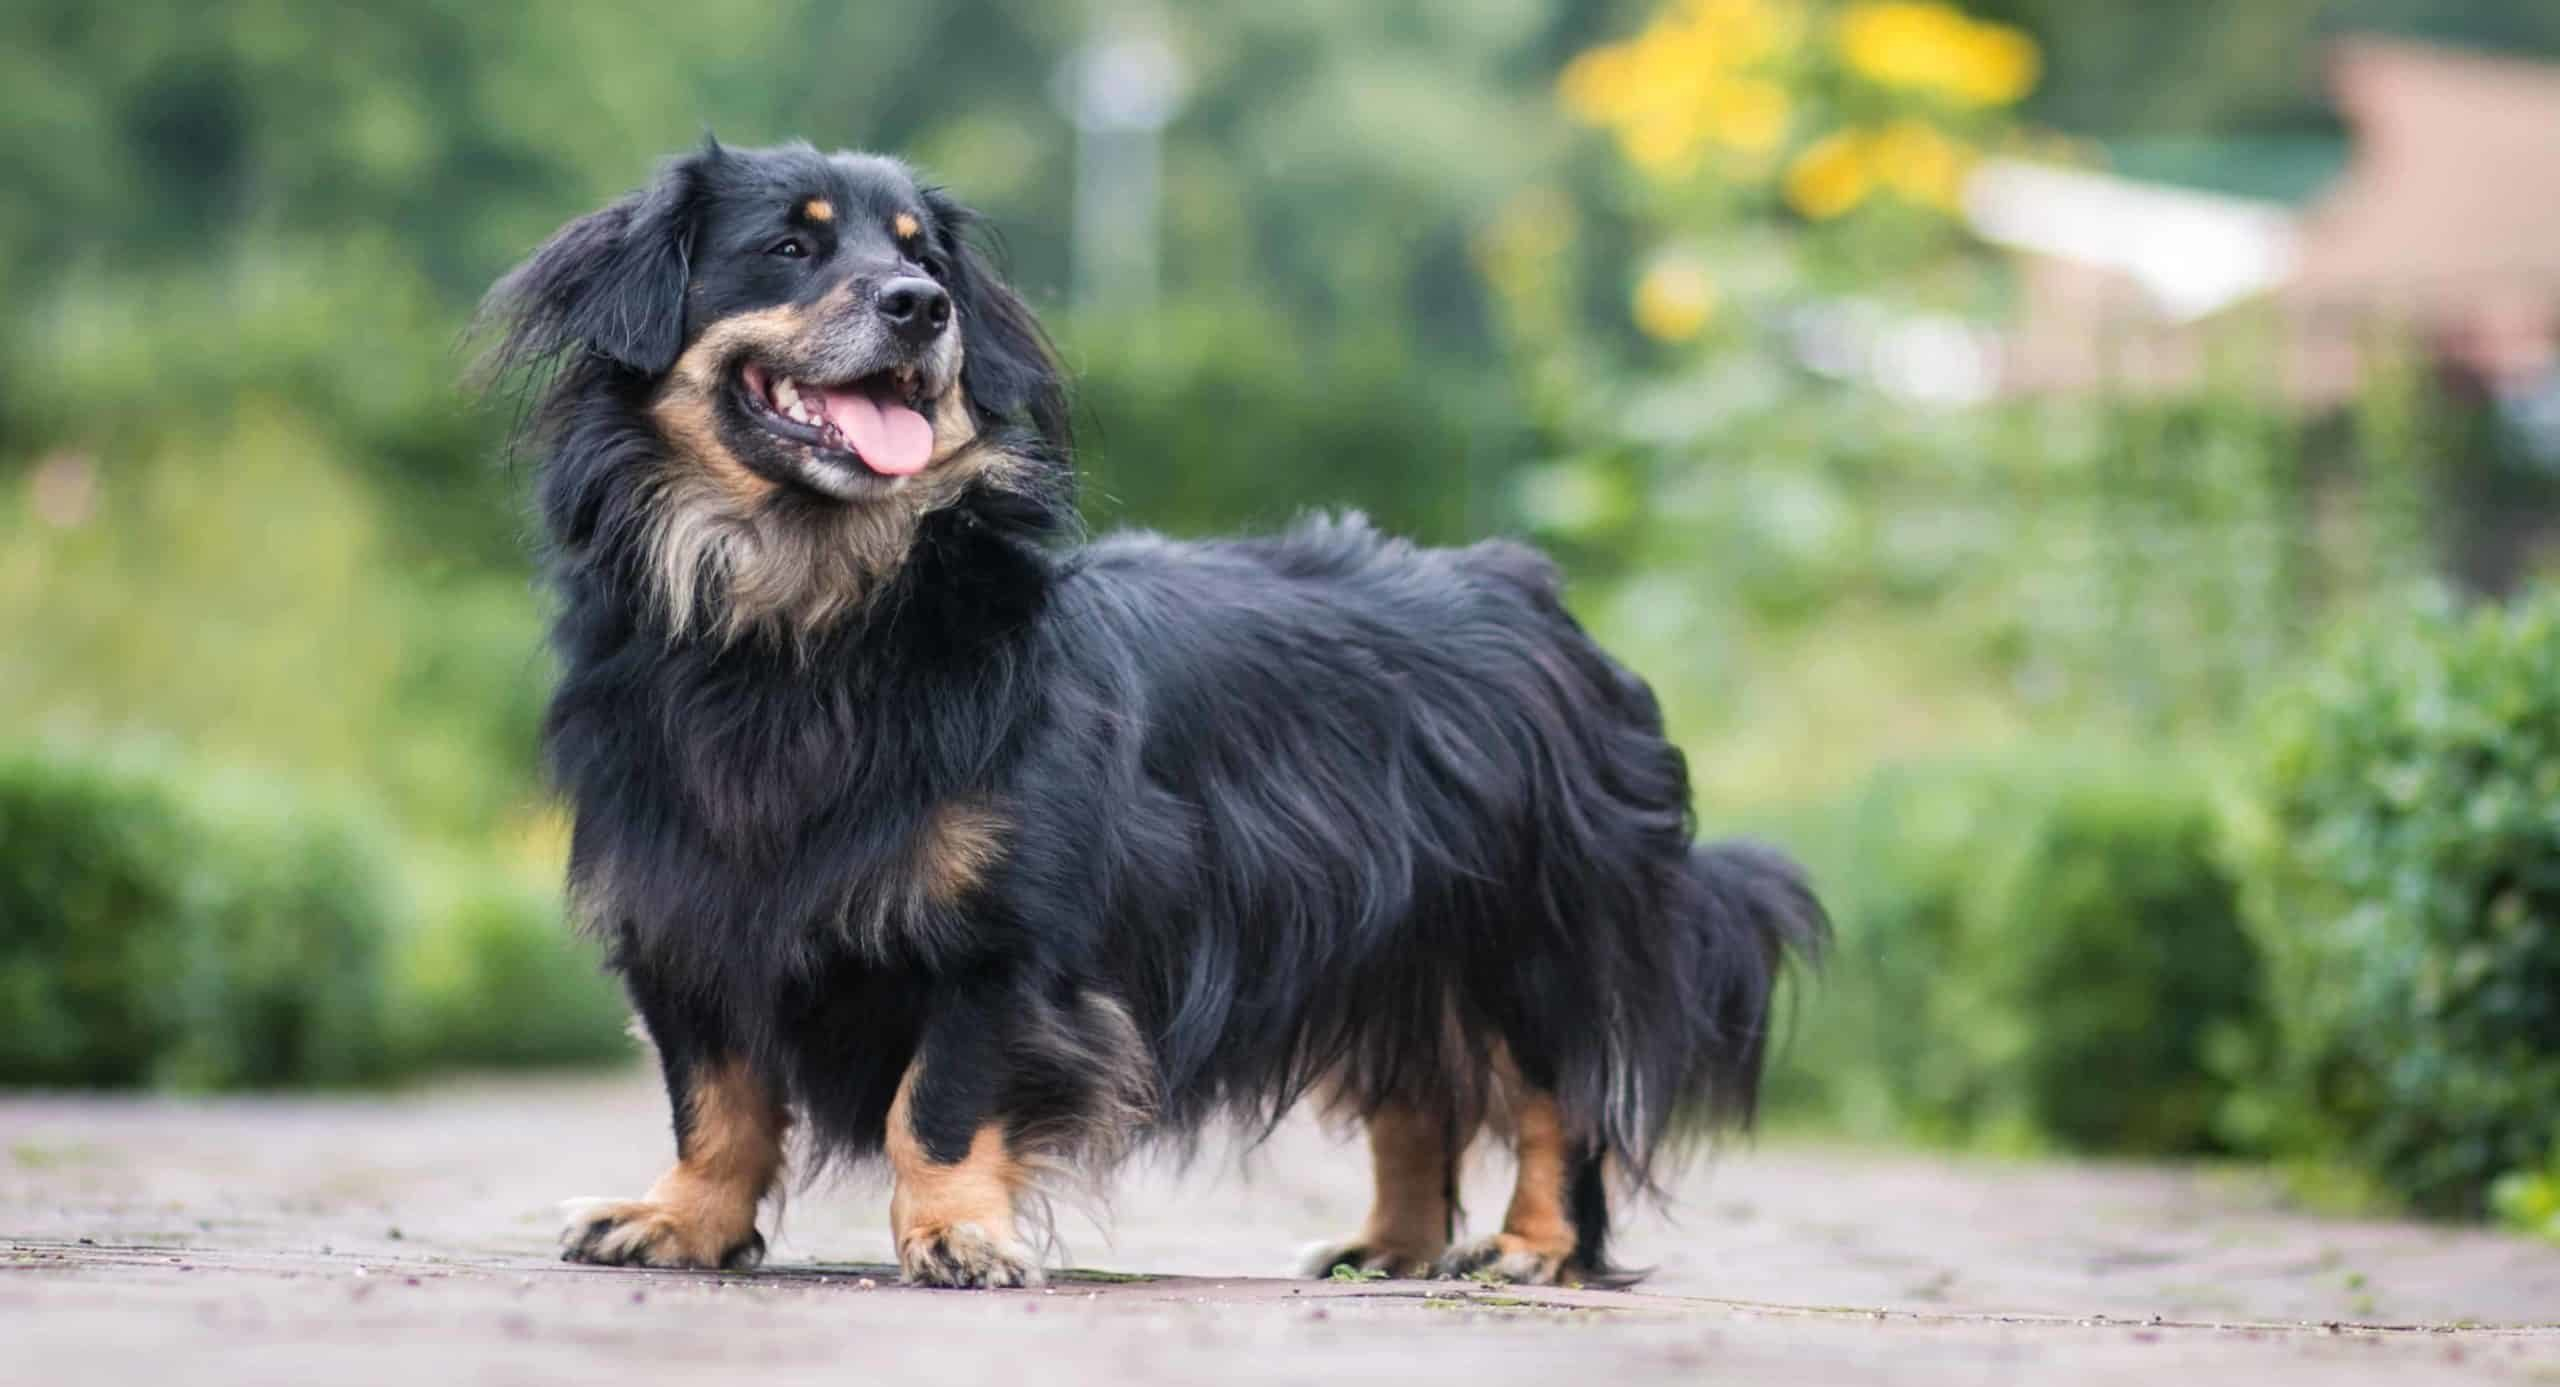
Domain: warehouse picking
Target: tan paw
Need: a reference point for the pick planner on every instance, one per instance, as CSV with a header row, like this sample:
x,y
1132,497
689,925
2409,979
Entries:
x,y
638,1233
1319,1261
964,1255
1510,1257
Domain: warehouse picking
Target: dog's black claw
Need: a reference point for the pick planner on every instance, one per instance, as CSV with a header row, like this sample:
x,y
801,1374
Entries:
x,y
578,1242
746,1256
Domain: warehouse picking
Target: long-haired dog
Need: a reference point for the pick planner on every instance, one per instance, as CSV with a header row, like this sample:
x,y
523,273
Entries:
x,y
911,819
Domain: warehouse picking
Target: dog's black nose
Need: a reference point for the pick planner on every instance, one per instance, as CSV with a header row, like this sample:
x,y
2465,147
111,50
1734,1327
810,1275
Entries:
x,y
916,308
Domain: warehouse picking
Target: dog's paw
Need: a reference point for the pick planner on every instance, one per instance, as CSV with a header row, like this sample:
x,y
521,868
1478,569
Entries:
x,y
965,1255
1321,1260
638,1233
1510,1257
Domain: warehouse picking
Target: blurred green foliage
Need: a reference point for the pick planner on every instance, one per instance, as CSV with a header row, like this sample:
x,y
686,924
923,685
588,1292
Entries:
x,y
2204,66
203,930
501,983
169,930
1889,583
1317,426
1780,505
2403,863
1783,495
2038,950
300,203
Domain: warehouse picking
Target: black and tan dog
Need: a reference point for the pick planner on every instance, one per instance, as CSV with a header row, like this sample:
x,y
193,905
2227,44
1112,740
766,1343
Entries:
x,y
910,818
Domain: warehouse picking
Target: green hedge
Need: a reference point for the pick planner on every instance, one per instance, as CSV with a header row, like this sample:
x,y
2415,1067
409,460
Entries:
x,y
501,981
152,931
160,928
2405,869
1204,418
2043,951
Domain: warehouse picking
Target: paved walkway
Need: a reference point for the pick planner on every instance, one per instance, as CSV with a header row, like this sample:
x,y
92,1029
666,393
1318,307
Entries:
x,y
409,1239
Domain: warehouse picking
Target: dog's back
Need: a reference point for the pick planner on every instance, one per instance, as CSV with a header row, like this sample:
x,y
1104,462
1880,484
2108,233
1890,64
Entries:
x,y
1405,834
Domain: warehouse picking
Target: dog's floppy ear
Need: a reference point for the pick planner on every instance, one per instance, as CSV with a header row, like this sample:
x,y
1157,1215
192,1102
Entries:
x,y
612,280
1007,364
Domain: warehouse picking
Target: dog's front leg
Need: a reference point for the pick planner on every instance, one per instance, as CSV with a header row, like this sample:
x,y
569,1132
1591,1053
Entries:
x,y
729,1123
953,1209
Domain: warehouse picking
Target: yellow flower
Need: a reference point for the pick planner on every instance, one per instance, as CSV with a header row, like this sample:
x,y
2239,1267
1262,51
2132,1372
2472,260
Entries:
x,y
1675,300
1897,44
1831,177
1663,143
1934,47
1921,163
1743,32
2001,66
1687,81
1749,114
1594,84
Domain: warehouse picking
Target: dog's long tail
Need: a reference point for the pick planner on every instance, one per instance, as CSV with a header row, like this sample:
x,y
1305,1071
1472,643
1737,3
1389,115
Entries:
x,y
1739,916
1688,1037
1752,916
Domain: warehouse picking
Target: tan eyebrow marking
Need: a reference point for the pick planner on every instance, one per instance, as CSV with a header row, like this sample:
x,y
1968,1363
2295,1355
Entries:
x,y
818,209
905,225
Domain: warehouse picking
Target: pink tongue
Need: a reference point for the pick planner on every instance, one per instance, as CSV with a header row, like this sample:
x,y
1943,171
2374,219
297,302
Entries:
x,y
893,440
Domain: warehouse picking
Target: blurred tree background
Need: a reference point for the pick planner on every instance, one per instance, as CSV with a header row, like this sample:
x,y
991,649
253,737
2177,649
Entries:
x,y
1557,267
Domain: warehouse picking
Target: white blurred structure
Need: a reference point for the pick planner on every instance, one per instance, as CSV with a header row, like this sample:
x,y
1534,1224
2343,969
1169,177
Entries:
x,y
1120,89
2194,253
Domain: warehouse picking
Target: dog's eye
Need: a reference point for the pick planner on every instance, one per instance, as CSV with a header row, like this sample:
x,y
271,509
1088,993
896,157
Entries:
x,y
789,248
934,265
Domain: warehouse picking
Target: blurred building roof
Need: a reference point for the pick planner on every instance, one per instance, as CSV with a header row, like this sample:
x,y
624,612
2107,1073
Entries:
x,y
2445,219
2453,186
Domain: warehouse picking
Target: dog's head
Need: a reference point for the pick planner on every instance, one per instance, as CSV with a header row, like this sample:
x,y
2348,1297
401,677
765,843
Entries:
x,y
821,355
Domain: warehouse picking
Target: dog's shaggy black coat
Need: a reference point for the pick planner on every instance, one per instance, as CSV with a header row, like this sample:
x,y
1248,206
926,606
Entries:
x,y
1324,811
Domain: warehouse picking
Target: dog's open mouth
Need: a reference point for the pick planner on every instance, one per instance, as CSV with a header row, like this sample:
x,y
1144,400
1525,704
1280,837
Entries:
x,y
877,420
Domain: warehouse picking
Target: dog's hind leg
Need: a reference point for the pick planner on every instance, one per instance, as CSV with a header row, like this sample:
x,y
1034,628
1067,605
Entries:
x,y
1413,1155
1558,1220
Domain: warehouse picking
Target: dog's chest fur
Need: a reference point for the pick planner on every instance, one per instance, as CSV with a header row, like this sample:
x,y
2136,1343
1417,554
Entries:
x,y
795,800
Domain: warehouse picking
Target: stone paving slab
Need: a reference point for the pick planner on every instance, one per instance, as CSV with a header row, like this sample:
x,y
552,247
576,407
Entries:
x,y
408,1238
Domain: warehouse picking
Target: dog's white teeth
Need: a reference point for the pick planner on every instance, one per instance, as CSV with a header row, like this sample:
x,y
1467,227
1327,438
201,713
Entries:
x,y
794,405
